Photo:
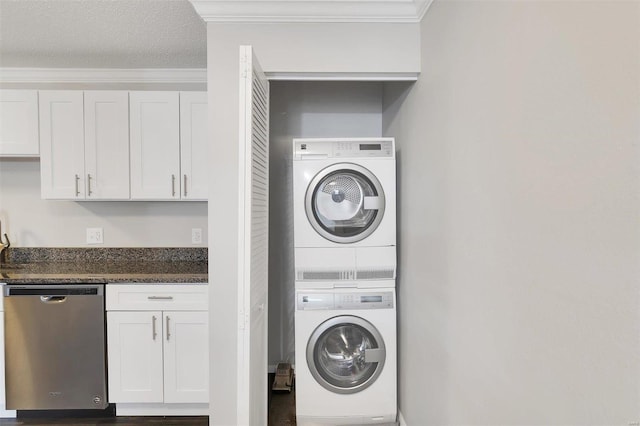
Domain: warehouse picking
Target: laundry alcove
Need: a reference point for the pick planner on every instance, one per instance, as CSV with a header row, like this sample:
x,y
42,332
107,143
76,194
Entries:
x,y
310,109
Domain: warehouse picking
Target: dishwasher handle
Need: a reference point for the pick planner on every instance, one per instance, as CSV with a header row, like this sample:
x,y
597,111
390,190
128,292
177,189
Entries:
x,y
53,299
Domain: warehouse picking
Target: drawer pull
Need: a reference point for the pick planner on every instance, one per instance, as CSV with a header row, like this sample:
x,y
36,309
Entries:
x,y
168,329
160,297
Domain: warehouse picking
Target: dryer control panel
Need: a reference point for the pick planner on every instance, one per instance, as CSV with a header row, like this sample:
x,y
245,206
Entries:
x,y
311,149
339,300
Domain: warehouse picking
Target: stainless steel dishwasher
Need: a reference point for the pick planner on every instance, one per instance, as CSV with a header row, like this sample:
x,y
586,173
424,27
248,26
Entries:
x,y
55,347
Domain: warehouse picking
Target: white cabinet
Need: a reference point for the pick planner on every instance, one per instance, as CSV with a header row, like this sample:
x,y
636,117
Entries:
x,y
169,151
134,347
19,123
3,412
119,145
62,144
194,151
106,142
157,348
186,356
84,139
155,145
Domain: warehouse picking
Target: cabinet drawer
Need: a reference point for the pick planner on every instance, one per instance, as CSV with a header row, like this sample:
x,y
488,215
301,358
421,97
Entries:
x,y
157,297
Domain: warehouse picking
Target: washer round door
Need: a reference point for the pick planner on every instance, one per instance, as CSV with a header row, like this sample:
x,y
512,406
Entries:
x,y
346,354
345,203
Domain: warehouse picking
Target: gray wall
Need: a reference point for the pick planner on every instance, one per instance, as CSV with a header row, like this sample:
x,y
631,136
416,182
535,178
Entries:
x,y
519,248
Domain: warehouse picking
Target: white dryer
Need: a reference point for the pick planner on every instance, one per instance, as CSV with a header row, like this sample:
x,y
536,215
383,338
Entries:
x,y
344,194
345,356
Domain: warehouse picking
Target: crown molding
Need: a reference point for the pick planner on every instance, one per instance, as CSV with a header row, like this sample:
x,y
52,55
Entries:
x,y
422,6
103,75
404,11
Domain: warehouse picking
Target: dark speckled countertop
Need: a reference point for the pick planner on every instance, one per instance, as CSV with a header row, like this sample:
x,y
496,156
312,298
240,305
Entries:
x,y
104,265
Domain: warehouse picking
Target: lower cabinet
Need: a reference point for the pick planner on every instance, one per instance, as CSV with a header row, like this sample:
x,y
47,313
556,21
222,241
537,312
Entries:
x,y
158,359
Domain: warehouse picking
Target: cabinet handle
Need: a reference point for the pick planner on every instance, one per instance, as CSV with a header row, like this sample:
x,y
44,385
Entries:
x,y
160,297
185,185
89,184
77,187
173,185
168,333
153,327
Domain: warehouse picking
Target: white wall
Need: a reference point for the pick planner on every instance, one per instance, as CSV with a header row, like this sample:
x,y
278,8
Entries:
x,y
304,109
325,47
32,222
519,202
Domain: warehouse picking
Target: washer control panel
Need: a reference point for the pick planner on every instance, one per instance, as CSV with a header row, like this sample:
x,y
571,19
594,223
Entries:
x,y
344,300
313,149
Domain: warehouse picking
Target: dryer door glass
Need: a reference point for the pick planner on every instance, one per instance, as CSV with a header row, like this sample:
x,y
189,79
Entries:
x,y
346,354
345,203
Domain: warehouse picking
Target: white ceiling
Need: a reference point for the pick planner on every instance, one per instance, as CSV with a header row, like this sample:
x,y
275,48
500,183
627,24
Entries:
x,y
101,34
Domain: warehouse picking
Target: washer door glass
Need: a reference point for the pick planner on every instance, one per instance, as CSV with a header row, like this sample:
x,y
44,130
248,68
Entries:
x,y
345,203
346,354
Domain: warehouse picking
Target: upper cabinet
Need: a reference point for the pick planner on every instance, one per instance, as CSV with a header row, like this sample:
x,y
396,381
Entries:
x,y
106,144
155,145
168,145
84,140
19,123
62,144
120,145
193,145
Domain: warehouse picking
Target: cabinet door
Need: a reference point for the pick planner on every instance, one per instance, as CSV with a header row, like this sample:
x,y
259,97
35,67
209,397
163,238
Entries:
x,y
62,144
106,142
186,357
194,152
134,353
19,123
155,145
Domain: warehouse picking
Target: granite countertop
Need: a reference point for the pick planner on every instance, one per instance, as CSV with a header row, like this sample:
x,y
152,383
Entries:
x,y
73,266
108,272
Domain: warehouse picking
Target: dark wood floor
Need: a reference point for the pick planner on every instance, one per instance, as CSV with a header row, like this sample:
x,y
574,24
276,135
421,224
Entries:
x,y
282,412
164,421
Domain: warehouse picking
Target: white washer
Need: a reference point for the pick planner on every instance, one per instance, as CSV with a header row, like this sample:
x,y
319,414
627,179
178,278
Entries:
x,y
345,356
344,195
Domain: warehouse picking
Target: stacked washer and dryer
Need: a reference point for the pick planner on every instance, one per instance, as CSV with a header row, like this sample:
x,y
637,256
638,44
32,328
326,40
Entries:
x,y
345,270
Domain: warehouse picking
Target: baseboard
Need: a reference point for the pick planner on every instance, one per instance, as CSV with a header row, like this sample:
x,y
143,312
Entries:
x,y
152,409
401,419
7,414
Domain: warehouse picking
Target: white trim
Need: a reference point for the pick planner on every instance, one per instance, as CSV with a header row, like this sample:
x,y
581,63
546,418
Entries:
x,y
7,414
422,7
307,10
401,420
338,76
103,75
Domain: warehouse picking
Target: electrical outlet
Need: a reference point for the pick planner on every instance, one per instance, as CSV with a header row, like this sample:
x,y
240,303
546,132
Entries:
x,y
196,235
94,236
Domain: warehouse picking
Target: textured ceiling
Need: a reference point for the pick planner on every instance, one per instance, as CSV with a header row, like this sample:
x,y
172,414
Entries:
x,y
101,34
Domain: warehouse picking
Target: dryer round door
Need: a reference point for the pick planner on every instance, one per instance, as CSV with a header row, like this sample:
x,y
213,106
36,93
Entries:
x,y
345,203
346,354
